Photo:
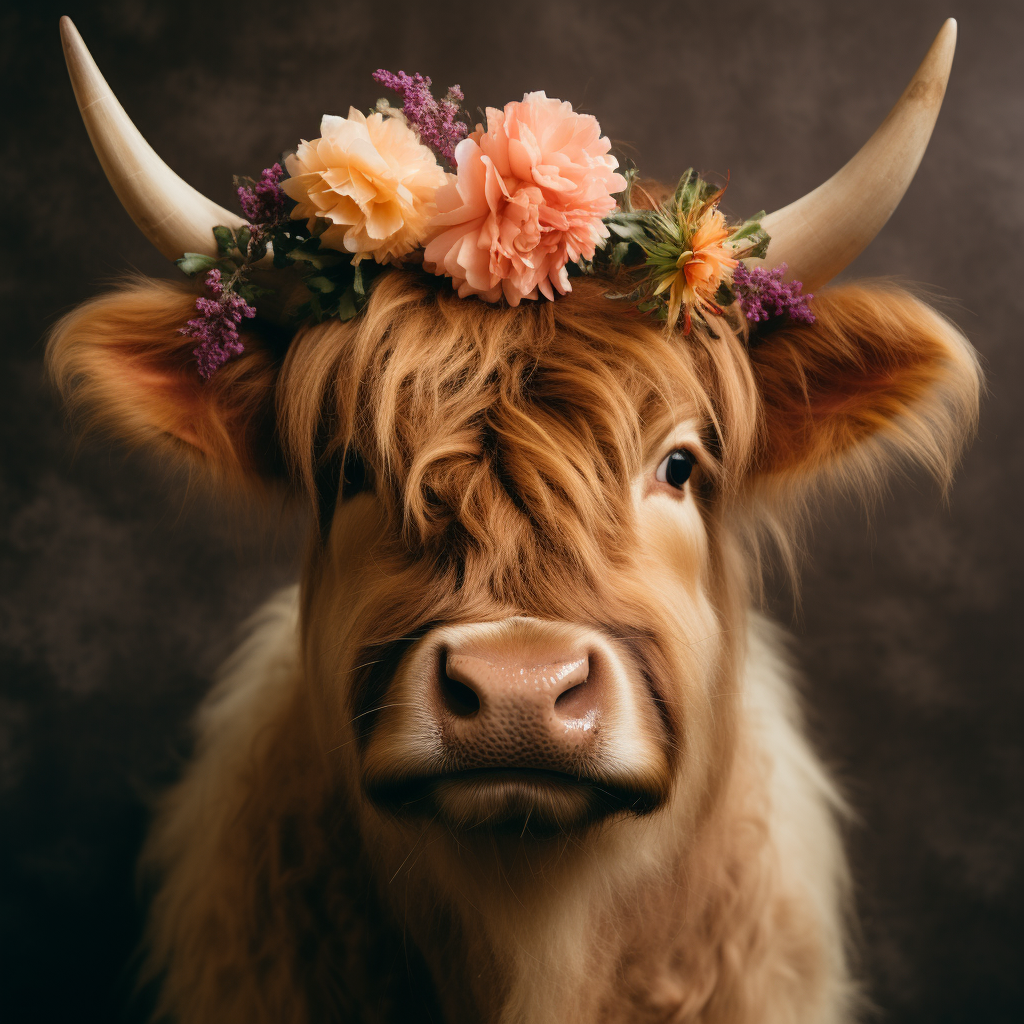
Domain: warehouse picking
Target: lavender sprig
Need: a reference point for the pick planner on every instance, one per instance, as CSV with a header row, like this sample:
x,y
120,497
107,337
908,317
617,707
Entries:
x,y
436,120
216,327
263,201
763,295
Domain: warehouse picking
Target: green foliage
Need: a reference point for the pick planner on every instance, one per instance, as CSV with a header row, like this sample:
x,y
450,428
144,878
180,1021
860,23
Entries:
x,y
337,283
651,246
338,286
193,263
225,240
725,296
757,239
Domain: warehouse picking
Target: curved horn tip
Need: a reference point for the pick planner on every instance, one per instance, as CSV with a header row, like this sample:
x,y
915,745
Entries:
x,y
939,58
170,213
820,234
69,35
928,86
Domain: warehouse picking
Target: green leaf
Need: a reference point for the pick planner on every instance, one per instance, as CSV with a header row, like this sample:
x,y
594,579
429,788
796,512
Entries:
x,y
251,292
754,235
761,249
320,284
619,253
309,251
748,228
242,237
632,230
302,256
642,218
724,296
282,253
347,307
285,239
758,248
685,188
225,239
193,263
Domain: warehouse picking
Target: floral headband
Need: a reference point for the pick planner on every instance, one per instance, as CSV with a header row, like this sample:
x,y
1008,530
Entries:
x,y
531,203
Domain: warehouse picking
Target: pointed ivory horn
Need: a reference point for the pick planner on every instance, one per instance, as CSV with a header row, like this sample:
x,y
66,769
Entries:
x,y
169,212
820,234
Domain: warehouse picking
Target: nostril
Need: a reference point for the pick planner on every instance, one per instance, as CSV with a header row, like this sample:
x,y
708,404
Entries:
x,y
459,699
576,702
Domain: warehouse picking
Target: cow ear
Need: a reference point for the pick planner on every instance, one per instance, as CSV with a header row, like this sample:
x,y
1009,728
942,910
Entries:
x,y
879,377
121,361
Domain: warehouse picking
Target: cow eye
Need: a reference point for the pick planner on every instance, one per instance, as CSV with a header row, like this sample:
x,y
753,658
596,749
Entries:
x,y
675,468
353,475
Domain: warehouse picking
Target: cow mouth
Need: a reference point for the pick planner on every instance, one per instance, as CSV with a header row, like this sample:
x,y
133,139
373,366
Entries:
x,y
535,801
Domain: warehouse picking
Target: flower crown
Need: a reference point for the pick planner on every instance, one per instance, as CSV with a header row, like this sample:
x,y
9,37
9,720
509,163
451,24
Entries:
x,y
530,202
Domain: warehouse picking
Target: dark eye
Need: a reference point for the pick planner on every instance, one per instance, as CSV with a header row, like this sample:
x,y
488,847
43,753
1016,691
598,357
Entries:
x,y
675,468
353,475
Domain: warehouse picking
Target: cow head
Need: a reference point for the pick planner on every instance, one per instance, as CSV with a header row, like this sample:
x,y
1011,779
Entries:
x,y
525,588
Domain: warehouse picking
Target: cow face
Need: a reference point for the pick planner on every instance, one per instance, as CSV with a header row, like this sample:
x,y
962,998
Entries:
x,y
516,610
524,598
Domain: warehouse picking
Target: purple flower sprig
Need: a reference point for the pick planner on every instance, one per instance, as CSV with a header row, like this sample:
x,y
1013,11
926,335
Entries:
x,y
216,327
763,295
265,207
263,202
435,120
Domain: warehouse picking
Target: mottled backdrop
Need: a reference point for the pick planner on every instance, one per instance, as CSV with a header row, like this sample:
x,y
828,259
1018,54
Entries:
x,y
119,593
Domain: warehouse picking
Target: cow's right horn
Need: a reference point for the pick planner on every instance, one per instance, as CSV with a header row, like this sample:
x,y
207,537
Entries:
x,y
169,212
821,233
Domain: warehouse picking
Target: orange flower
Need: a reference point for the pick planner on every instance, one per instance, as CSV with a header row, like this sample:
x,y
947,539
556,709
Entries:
x,y
699,269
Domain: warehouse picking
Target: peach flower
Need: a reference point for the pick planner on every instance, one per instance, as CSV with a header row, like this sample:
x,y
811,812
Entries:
x,y
530,195
371,179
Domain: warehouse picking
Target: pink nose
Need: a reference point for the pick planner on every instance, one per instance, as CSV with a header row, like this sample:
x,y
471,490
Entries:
x,y
478,683
518,710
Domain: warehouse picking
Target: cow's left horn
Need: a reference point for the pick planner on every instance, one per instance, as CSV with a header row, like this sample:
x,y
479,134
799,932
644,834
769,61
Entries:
x,y
820,234
170,212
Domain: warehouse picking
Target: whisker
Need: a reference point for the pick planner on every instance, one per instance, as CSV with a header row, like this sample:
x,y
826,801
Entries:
x,y
412,850
381,707
710,636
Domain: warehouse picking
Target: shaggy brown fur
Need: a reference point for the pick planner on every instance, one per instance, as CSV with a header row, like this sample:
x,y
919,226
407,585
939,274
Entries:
x,y
507,461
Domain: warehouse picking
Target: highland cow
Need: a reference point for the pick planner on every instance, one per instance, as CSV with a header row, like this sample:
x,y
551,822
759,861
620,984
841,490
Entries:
x,y
518,748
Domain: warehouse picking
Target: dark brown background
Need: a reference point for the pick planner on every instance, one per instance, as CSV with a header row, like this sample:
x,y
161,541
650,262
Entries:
x,y
118,598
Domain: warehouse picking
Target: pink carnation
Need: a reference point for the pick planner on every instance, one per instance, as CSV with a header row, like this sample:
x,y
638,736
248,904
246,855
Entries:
x,y
530,196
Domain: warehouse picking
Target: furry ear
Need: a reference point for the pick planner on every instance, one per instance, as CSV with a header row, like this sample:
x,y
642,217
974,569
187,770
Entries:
x,y
878,377
121,360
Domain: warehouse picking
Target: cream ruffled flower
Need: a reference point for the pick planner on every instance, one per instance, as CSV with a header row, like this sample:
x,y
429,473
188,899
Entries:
x,y
371,179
